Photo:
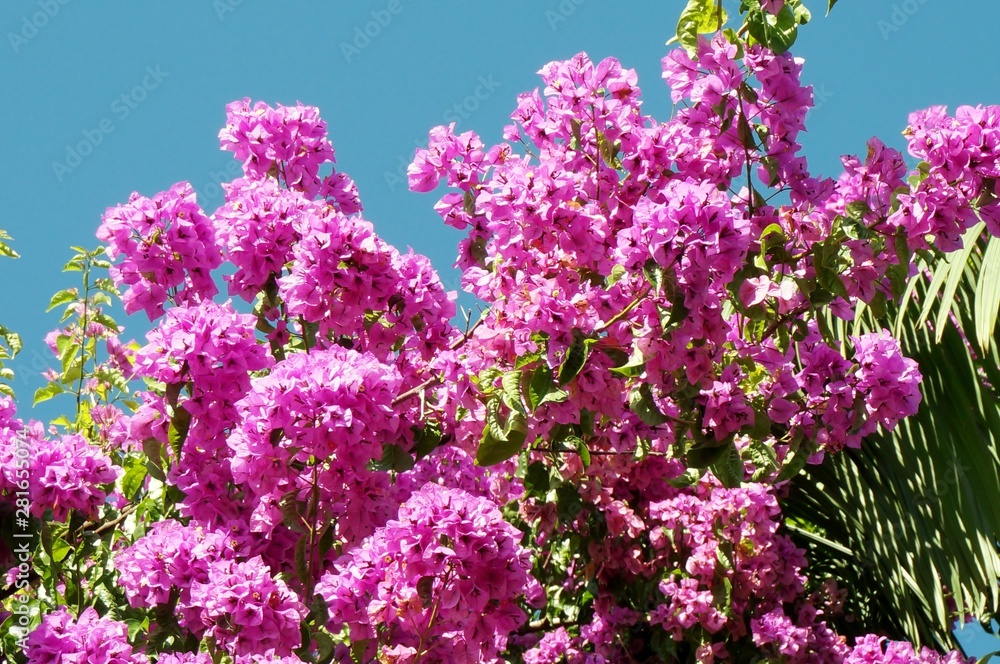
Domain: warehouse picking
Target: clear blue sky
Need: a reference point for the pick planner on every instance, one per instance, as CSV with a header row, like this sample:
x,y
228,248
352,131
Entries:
x,y
144,85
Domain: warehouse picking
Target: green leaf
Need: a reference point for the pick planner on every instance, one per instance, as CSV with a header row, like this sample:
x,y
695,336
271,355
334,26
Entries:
x,y
69,351
75,264
675,315
539,386
794,462
856,211
761,426
536,479
778,33
45,393
580,445
59,549
290,513
654,275
949,274
826,262
13,340
493,450
153,449
62,297
698,17
6,250
744,133
426,440
555,396
425,590
617,272
469,203
575,125
829,6
703,456
641,402
327,539
764,459
302,559
635,367
587,420
767,242
568,502
722,592
801,13
358,649
575,359
609,151
688,478
133,480
728,468
511,382
499,445
988,295
663,645
135,626
985,658
178,429
517,430
395,458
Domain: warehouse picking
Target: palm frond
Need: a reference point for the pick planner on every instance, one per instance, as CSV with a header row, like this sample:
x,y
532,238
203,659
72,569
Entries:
x,y
918,510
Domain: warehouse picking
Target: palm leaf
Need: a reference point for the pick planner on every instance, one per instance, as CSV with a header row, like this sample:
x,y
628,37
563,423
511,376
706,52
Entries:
x,y
988,294
918,510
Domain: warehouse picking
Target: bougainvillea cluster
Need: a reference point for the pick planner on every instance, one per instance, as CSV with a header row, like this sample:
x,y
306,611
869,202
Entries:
x,y
331,469
443,579
168,246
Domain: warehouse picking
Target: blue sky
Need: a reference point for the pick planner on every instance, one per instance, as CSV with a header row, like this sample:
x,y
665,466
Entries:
x,y
141,88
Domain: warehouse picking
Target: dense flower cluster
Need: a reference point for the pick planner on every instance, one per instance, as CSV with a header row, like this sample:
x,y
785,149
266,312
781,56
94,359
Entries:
x,y
169,559
889,381
207,345
10,428
877,650
246,610
443,578
553,648
204,354
352,284
169,248
759,569
256,225
68,473
289,142
455,468
963,155
318,420
89,638
636,249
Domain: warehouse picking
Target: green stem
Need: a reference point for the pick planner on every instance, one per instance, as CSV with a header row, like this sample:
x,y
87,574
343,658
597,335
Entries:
x,y
83,337
624,312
